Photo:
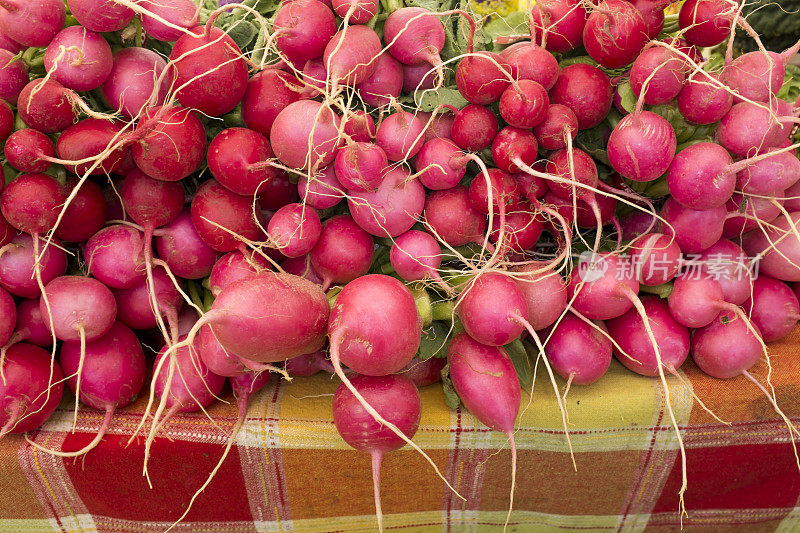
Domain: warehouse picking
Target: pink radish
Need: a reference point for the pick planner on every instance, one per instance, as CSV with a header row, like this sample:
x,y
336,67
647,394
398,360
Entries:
x,y
360,166
131,82
218,360
303,29
235,158
778,248
656,258
183,250
682,223
393,208
559,122
267,93
323,191
361,11
415,256
79,59
531,62
32,23
706,22
13,76
545,293
773,308
504,320
305,134
171,143
482,78
221,217
350,55
135,306
8,317
424,372
701,176
440,164
414,35
524,105
100,16
294,229
181,13
642,146
115,256
234,266
17,266
658,75
401,135
586,90
343,252
703,100
564,21
385,83
474,128
579,352
614,33
452,218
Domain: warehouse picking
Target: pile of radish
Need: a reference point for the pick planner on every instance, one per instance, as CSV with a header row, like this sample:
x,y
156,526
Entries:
x,y
390,194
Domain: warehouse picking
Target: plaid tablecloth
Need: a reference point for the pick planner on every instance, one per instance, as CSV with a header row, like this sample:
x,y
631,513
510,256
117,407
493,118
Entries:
x,y
290,471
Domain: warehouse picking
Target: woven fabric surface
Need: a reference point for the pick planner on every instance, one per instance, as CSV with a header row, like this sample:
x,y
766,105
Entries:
x,y
290,471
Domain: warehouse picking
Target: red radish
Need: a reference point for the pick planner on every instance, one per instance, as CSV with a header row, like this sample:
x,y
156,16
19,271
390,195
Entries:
x,y
682,223
414,35
181,248
172,145
522,229
474,128
757,76
700,176
603,276
424,372
6,123
85,215
487,383
439,126
129,87
653,16
30,389
384,83
500,323
30,327
579,352
745,212
703,100
559,122
115,256
323,191
267,93
773,308
706,22
586,90
78,59
150,202
100,16
505,192
17,266
13,76
778,248
303,30
641,146
361,11
360,166
278,192
524,105
8,317
397,401
658,75
440,164
82,308
31,202
656,258
235,158
633,348
748,129
301,266
32,23
564,21
725,262
615,33
393,208
7,43
45,105
696,300
90,138
28,150
305,134
218,360
578,169
769,176
350,54
726,347
401,135
308,364
221,217
180,13
452,218
418,78
415,255
7,231
531,62
294,229
636,223
234,266
135,307
545,293
483,77
360,126
343,252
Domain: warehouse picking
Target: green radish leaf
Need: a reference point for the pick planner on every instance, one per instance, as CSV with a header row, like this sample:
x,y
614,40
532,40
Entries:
x,y
429,100
628,99
522,364
434,341
451,397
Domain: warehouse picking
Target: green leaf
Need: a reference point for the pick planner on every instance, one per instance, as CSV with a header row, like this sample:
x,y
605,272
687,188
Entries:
x,y
522,364
434,341
628,99
429,100
515,23
451,397
790,89
242,32
593,142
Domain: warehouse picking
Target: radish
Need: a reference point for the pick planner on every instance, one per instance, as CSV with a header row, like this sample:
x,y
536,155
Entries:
x,y
323,191
776,172
418,78
642,146
703,100
727,263
586,90
13,76
385,83
151,203
361,11
83,309
183,250
32,23
531,62
439,125
726,347
99,15
559,122
306,134
578,352
524,104
682,222
393,208
745,212
28,150
90,139
653,15
773,308
424,372
415,255
78,59
397,401
267,93
30,203
564,21
115,256
696,300
343,252
757,75
6,123
221,217
452,219
350,56
656,258
278,192
218,360
301,266
130,84
8,317
235,159
487,383
614,33
209,71
303,29
180,13
633,348
482,77
706,22
440,164
171,143
308,364
658,75
360,166
545,293
234,266
500,323
294,229
359,126
46,105
18,266
401,135
748,129
701,176
111,372
778,248
7,43
474,128
521,227
30,388
135,305
85,215
30,327
414,35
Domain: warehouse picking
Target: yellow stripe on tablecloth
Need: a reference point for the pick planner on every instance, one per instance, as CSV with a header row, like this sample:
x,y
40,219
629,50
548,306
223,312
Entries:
x,y
27,526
